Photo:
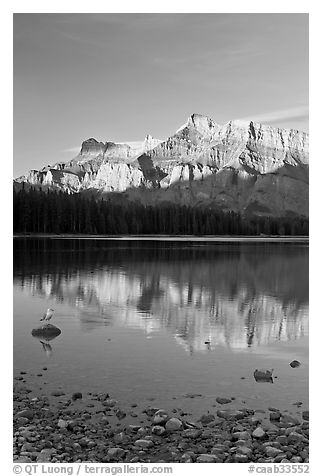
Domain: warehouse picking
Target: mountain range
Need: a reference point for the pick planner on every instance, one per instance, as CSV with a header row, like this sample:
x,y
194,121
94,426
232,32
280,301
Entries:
x,y
245,167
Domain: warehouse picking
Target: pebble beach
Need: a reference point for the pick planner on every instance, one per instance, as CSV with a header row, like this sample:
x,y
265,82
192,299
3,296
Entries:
x,y
58,427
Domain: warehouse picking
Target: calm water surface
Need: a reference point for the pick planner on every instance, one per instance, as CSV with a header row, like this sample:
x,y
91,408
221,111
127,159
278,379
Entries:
x,y
136,315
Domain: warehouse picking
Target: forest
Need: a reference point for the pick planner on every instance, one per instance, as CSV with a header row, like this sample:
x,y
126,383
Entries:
x,y
37,211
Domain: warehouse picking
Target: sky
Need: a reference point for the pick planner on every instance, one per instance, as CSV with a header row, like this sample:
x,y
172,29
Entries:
x,y
119,77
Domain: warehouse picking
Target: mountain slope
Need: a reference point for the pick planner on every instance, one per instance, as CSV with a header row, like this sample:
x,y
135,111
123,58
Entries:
x,y
246,167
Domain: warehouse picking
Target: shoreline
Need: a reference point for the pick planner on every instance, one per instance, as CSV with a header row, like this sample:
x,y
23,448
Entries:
x,y
206,238
95,428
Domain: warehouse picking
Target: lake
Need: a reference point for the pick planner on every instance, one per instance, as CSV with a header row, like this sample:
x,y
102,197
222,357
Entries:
x,y
155,320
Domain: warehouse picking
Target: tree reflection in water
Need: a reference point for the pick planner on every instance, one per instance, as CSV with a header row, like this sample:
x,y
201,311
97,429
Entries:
x,y
237,295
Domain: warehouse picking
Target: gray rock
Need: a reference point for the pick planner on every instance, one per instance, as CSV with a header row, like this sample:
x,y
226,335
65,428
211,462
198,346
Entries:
x,y
116,452
290,420
255,419
282,440
259,433
279,458
62,424
223,400
57,393
45,455
186,458
295,437
239,458
305,415
23,459
110,402
274,416
29,414
272,452
160,417
28,447
207,418
174,424
263,375
150,411
143,443
120,414
191,433
205,458
142,431
22,421
134,428
244,450
241,435
158,430
230,414
77,395
296,459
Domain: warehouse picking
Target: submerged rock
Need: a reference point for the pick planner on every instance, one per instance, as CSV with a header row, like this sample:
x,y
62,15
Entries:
x,y
77,395
223,400
57,393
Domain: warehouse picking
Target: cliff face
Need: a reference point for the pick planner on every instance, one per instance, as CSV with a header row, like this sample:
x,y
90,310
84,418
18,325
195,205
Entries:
x,y
247,167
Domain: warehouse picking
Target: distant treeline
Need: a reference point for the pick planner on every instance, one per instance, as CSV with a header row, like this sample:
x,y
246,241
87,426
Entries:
x,y
37,211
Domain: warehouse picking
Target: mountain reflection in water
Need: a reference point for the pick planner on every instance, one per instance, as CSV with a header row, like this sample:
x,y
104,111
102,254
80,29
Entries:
x,y
236,295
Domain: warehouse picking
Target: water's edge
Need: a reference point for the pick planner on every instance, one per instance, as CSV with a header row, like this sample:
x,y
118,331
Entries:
x,y
210,238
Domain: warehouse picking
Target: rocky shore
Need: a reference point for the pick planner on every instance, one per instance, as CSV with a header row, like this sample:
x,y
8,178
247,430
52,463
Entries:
x,y
94,427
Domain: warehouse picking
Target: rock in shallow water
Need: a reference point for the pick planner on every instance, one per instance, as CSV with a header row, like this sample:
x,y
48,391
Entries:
x,y
295,363
57,393
47,332
223,400
263,375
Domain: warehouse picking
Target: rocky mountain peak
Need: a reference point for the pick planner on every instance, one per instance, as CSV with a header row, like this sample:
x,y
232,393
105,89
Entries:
x,y
198,123
92,147
242,166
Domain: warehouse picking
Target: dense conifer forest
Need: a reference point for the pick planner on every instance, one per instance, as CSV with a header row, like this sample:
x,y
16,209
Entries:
x,y
37,211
